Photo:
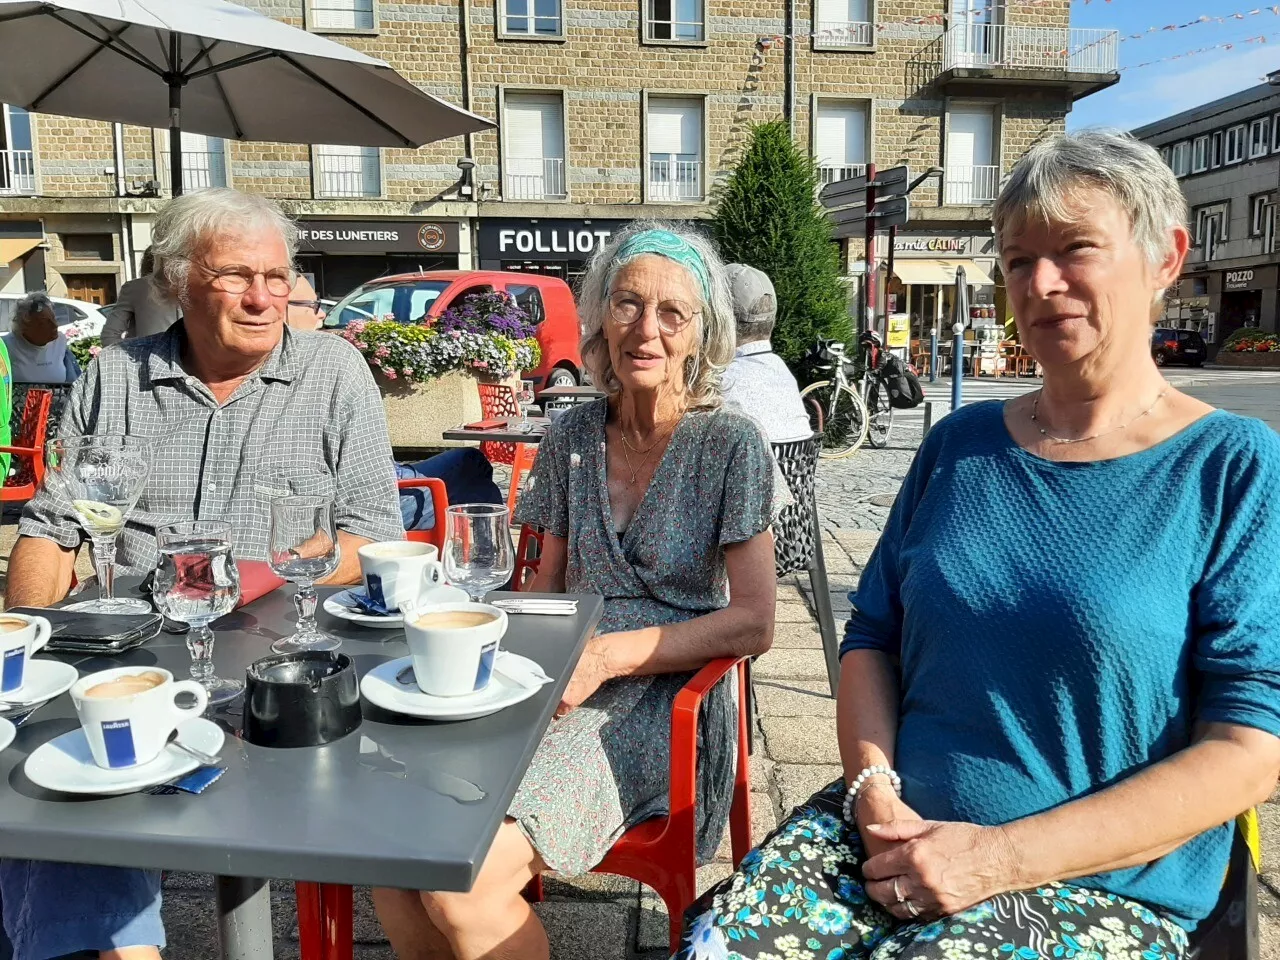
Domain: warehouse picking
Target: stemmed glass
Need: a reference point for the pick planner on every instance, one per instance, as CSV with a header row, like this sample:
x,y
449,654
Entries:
x,y
196,583
103,477
525,398
478,556
303,548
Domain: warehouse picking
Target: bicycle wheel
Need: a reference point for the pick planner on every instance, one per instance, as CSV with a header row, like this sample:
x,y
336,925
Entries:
x,y
842,420
879,414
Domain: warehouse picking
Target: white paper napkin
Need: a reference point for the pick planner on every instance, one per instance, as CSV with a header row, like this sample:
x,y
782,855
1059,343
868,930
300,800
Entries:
x,y
521,670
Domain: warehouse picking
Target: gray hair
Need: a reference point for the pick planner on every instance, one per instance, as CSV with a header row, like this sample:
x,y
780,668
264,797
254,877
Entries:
x,y
190,223
30,305
716,340
1117,163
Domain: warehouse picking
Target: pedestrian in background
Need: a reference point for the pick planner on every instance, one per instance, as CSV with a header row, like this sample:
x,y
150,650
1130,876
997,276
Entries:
x,y
38,353
141,309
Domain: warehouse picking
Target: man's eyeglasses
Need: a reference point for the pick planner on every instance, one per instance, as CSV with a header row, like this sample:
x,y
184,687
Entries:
x,y
673,315
237,278
312,305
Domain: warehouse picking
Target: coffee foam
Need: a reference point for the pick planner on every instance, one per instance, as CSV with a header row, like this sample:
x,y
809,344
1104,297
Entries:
x,y
126,686
12,624
454,619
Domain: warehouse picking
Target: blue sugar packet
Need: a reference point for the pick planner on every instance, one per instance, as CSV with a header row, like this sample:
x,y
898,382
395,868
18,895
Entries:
x,y
197,781
367,605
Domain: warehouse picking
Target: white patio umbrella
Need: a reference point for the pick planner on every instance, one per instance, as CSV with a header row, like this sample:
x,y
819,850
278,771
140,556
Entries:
x,y
210,67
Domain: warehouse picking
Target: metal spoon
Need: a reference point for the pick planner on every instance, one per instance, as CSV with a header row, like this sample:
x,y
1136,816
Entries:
x,y
205,758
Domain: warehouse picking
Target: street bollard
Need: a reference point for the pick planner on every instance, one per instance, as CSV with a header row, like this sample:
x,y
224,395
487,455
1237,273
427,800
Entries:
x,y
928,416
957,366
933,357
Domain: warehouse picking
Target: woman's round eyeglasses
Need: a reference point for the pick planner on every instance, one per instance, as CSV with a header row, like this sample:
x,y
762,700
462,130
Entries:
x,y
626,308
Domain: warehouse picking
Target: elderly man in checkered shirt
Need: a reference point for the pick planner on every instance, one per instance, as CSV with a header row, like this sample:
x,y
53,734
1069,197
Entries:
x,y
239,409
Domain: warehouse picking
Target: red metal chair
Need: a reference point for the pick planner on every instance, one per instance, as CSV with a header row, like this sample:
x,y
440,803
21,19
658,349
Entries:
x,y
28,448
439,504
499,400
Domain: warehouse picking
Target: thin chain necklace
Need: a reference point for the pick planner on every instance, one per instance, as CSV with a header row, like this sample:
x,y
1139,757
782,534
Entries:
x,y
647,453
1035,406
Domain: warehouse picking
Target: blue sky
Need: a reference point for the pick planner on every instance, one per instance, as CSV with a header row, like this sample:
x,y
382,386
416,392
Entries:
x,y
1154,92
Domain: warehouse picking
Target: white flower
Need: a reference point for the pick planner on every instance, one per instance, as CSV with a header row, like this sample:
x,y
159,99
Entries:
x,y
705,941
575,460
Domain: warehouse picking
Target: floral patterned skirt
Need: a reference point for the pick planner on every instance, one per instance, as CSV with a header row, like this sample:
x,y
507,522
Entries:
x,y
799,896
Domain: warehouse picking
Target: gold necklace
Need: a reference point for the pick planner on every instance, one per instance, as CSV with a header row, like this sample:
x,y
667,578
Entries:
x,y
1035,406
647,453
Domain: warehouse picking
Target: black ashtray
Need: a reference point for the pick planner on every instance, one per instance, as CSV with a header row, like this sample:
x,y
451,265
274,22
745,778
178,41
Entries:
x,y
301,699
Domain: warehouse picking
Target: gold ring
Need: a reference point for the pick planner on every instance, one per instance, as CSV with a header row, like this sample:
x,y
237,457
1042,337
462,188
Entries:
x,y
911,908
897,892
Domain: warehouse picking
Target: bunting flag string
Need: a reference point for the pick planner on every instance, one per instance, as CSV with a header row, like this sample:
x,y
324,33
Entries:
x,y
1260,39
1198,21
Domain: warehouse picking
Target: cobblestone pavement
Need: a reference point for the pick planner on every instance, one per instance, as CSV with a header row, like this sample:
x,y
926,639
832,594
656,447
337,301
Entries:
x,y
609,918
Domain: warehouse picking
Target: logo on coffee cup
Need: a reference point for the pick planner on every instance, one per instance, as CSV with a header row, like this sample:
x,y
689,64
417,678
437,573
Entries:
x,y
11,676
117,737
373,585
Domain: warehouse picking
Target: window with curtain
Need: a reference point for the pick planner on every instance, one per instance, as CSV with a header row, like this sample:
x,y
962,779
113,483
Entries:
x,y
533,159
675,149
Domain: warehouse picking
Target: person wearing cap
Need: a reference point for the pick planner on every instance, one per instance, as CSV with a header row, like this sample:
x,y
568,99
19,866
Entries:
x,y
757,381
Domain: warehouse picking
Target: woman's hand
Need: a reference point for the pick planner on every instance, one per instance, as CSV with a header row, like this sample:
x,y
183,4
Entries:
x,y
941,867
878,803
589,675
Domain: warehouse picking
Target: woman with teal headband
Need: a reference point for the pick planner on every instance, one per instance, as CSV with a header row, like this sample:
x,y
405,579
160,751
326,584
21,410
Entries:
x,y
660,499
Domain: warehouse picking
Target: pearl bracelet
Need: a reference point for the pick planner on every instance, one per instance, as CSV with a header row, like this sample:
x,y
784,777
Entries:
x,y
861,781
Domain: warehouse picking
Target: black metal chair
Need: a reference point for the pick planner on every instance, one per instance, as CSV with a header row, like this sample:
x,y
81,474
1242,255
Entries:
x,y
1230,932
798,541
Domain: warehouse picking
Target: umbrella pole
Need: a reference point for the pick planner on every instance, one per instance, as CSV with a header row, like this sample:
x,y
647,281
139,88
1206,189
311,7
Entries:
x,y
175,118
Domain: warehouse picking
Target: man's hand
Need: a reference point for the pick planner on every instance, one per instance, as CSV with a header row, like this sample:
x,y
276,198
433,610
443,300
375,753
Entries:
x,y
940,867
588,676
878,803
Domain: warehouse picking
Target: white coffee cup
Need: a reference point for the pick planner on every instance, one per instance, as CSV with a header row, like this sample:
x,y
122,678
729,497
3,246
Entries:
x,y
132,728
398,572
17,647
452,661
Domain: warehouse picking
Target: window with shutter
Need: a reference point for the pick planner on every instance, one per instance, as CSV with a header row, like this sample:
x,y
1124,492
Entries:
x,y
675,149
346,171
534,165
840,140
204,161
843,23
340,15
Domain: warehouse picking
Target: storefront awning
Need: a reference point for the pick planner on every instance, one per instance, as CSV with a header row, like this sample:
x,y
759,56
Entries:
x,y
11,249
930,273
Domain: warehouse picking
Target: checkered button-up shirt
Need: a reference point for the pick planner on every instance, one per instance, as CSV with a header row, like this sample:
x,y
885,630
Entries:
x,y
309,421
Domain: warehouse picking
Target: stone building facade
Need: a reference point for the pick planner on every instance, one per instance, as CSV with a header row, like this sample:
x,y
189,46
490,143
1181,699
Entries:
x,y
608,111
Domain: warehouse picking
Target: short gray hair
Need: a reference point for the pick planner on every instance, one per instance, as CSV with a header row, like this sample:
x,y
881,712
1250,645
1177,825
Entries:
x,y
188,224
716,339
1117,163
30,305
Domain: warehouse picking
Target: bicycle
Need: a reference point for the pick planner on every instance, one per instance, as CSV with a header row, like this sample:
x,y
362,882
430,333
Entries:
x,y
837,412
855,407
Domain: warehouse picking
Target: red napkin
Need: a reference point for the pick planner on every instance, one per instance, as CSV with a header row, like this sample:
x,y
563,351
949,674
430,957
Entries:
x,y
256,580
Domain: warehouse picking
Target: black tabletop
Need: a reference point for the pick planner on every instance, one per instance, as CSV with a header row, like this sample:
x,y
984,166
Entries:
x,y
570,393
505,434
378,807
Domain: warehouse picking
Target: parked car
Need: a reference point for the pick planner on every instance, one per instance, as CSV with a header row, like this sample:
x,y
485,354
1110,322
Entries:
x,y
76,318
412,297
1177,346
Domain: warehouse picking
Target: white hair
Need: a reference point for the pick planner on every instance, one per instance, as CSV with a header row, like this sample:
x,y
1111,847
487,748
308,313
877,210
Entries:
x,y
1131,172
715,336
189,224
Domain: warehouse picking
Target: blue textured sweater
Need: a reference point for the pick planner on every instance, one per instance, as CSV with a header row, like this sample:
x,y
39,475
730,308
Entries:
x,y
1061,626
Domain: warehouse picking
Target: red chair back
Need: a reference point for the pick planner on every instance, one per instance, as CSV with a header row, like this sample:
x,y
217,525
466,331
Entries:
x,y
498,400
439,504
28,447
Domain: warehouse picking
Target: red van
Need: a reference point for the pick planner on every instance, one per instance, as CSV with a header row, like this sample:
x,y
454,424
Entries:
x,y
410,297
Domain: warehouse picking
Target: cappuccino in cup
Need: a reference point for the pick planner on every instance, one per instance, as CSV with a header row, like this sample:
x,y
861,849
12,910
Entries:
x,y
454,646
20,637
128,713
399,572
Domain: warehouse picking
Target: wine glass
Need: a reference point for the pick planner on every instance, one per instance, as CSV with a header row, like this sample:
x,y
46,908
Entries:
x,y
526,398
196,583
478,556
103,477
303,548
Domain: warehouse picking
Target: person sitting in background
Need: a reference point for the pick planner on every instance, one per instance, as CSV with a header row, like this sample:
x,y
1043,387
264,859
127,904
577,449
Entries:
x,y
467,476
141,310
38,353
239,409
305,310
757,382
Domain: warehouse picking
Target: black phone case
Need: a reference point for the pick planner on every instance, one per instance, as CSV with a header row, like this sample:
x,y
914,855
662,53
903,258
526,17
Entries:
x,y
82,632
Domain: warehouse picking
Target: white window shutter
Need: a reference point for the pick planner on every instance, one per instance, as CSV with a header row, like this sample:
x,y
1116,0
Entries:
x,y
840,137
832,11
970,137
675,127
535,127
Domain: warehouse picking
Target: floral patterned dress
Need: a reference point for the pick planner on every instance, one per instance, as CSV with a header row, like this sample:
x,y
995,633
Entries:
x,y
604,767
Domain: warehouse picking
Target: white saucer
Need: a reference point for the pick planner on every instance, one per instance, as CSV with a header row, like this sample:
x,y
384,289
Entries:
x,y
64,763
382,689
43,680
7,732
342,606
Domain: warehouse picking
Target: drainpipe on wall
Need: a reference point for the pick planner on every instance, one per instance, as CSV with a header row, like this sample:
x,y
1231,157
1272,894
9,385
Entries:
x,y
126,225
464,9
789,67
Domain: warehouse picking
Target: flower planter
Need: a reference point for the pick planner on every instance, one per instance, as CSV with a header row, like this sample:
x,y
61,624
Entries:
x,y
1256,360
419,413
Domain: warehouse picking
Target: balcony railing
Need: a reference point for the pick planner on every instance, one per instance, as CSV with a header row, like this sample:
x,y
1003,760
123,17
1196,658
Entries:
x,y
844,33
534,179
347,175
685,30
675,180
831,173
17,173
1064,49
201,169
970,185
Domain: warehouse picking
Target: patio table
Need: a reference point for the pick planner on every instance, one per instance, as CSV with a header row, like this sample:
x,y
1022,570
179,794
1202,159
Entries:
x,y
399,802
504,434
579,394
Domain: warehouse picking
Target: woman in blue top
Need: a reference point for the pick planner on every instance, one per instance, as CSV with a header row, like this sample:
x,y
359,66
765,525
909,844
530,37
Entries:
x,y
1049,717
